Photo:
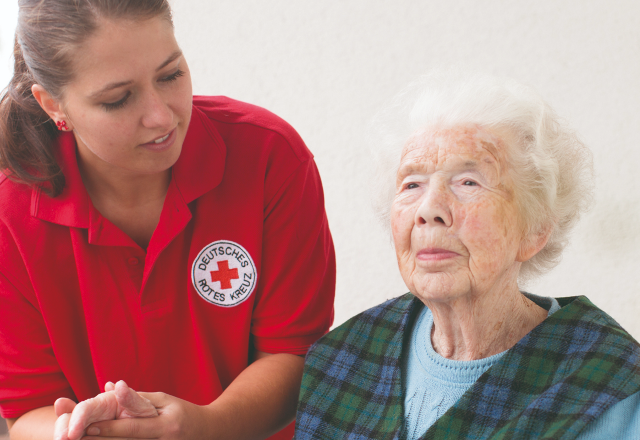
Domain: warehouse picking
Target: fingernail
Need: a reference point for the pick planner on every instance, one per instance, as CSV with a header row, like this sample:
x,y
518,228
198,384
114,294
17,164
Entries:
x,y
93,431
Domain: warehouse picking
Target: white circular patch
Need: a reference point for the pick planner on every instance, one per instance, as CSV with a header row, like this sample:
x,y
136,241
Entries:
x,y
223,273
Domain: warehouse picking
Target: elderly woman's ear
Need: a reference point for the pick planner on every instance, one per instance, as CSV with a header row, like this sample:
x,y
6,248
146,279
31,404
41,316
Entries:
x,y
533,243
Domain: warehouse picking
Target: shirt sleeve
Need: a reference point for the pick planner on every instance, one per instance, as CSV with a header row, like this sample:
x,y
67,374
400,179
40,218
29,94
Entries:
x,y
29,373
621,421
297,279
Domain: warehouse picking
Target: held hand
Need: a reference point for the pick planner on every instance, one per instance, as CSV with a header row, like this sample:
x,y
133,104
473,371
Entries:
x,y
178,419
117,402
130,403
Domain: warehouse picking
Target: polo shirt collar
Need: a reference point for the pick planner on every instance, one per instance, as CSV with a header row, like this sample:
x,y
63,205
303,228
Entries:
x,y
72,207
199,169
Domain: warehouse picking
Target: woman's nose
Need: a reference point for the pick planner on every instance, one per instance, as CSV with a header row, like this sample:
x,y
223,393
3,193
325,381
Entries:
x,y
156,113
434,208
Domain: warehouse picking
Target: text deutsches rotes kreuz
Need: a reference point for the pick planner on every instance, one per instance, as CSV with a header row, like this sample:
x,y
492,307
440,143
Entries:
x,y
224,274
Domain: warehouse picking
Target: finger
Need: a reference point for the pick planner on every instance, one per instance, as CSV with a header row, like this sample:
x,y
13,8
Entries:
x,y
109,386
63,406
102,407
148,428
61,427
132,404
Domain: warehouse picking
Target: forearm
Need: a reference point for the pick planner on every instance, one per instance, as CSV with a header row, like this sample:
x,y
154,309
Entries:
x,y
260,401
37,424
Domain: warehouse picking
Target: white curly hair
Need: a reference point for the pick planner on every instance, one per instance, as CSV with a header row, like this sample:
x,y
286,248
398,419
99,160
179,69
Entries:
x,y
550,166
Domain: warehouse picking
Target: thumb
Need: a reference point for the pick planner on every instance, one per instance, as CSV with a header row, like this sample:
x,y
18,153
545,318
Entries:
x,y
132,404
63,406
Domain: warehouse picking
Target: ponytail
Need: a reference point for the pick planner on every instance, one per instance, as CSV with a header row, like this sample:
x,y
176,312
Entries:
x,y
27,133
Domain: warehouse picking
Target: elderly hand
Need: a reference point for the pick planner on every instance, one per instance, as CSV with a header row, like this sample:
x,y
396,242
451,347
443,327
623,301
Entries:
x,y
117,402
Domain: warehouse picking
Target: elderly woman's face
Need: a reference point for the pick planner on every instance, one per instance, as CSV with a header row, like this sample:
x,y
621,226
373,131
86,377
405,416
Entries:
x,y
454,217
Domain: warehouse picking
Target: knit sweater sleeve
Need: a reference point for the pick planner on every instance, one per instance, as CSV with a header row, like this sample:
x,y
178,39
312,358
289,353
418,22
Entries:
x,y
621,421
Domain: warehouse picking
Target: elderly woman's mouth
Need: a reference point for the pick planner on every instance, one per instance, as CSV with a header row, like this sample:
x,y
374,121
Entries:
x,y
435,254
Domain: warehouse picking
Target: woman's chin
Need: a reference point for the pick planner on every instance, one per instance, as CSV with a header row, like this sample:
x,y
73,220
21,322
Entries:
x,y
440,287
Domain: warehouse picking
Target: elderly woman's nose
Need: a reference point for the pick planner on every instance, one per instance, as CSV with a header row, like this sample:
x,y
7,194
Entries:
x,y
434,209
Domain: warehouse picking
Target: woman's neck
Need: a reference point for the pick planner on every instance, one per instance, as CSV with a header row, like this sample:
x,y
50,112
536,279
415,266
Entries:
x,y
131,202
472,328
125,191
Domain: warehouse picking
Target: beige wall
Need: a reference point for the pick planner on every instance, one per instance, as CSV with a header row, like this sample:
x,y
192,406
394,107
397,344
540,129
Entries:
x,y
327,66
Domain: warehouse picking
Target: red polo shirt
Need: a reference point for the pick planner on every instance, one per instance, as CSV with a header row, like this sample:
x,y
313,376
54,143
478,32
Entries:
x,y
242,256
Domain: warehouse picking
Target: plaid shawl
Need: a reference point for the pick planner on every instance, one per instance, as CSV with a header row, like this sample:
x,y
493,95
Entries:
x,y
554,382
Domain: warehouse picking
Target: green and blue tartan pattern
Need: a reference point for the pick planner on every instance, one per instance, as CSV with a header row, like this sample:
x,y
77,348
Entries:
x,y
550,385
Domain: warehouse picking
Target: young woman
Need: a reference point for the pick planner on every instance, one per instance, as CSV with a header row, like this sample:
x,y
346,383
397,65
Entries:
x,y
177,243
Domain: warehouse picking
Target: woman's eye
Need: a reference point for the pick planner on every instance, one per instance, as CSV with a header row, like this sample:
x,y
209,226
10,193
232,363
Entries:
x,y
411,186
469,183
116,105
174,76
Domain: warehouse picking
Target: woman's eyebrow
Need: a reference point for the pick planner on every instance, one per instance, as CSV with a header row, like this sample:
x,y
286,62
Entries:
x,y
172,57
108,87
411,167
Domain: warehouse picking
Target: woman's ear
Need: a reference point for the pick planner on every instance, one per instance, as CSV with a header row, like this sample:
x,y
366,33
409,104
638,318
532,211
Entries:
x,y
50,105
533,242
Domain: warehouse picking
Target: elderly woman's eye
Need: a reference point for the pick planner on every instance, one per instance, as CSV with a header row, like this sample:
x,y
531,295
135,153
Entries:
x,y
411,186
469,183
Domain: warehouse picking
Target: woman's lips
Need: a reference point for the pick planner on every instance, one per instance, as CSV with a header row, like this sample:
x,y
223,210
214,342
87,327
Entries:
x,y
435,254
161,146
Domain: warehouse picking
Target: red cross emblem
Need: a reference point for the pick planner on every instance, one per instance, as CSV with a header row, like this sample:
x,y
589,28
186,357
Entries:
x,y
224,274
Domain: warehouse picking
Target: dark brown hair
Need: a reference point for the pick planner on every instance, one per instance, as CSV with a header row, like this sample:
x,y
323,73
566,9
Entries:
x,y
48,33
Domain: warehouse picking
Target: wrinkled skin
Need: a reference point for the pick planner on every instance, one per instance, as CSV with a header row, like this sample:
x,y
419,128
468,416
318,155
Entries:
x,y
460,242
452,194
117,402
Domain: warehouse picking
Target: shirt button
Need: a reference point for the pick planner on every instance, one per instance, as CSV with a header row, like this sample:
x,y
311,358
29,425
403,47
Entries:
x,y
132,261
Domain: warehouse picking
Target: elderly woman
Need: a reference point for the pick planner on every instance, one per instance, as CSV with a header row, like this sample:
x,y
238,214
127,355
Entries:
x,y
488,185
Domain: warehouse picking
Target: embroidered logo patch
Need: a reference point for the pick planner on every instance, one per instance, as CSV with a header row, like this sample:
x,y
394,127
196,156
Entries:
x,y
223,273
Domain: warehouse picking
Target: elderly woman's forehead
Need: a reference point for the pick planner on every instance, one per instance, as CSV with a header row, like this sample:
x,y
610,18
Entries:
x,y
475,138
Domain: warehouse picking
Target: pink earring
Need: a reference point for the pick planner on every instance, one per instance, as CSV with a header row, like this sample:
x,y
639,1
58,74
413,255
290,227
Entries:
x,y
62,125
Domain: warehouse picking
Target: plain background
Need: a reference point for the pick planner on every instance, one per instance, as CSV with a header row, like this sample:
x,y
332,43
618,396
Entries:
x,y
327,66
